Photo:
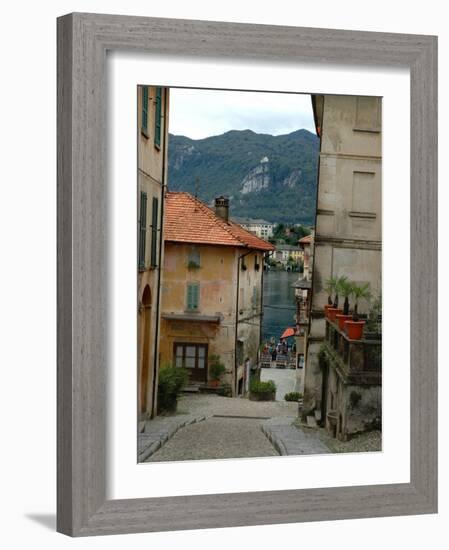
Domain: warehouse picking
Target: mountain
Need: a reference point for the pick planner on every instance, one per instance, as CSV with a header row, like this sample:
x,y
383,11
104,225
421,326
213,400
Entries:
x,y
269,177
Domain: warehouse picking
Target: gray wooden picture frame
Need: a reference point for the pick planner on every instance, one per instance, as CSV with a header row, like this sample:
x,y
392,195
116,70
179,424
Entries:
x,y
83,40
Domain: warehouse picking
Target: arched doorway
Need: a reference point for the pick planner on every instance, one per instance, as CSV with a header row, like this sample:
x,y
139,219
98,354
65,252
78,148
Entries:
x,y
145,319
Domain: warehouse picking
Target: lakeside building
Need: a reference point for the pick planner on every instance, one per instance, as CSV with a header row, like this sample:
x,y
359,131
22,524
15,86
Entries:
x,y
286,252
153,105
212,290
260,228
342,376
303,295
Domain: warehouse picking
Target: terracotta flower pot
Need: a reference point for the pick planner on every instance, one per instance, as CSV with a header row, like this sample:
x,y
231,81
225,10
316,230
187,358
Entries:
x,y
341,318
213,383
332,312
326,307
354,329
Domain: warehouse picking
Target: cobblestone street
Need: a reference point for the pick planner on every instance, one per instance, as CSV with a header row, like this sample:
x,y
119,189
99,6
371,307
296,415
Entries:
x,y
208,426
223,437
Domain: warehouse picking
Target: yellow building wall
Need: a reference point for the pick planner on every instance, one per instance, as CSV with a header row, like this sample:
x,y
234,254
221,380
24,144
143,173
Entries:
x,y
152,169
218,277
250,307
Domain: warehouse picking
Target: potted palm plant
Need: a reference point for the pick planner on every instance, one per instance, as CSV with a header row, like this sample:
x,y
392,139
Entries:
x,y
335,310
330,289
373,325
345,289
354,326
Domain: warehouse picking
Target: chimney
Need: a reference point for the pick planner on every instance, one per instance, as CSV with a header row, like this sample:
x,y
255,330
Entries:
x,y
222,208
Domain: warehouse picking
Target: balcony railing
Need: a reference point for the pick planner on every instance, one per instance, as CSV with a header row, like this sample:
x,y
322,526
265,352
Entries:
x,y
358,361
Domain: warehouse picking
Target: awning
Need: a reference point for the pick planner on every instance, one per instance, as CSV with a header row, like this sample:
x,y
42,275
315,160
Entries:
x,y
290,331
303,284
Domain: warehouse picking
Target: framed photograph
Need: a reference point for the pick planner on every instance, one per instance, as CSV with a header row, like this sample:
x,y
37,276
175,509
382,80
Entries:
x,y
247,279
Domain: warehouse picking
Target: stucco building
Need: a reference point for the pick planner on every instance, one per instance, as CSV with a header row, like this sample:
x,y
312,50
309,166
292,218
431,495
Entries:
x,y
343,377
153,103
286,252
260,228
212,290
303,295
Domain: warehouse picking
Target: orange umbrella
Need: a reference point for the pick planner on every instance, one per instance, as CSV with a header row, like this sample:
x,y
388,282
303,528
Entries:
x,y
290,331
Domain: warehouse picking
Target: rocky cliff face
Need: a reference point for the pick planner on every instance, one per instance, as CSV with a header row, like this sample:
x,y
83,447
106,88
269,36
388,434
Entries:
x,y
257,179
270,177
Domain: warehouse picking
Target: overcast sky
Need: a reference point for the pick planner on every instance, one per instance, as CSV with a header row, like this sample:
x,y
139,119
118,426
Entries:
x,y
201,113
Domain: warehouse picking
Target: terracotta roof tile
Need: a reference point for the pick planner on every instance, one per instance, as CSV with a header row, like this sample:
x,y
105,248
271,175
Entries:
x,y
189,220
306,239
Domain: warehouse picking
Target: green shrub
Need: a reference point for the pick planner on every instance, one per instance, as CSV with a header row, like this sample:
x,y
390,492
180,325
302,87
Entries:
x,y
257,386
293,396
171,381
225,390
216,368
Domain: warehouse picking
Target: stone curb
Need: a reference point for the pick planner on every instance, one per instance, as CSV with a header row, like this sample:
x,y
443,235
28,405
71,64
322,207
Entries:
x,y
158,437
277,443
290,441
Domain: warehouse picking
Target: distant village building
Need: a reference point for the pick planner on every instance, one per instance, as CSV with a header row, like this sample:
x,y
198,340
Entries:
x,y
153,103
286,252
306,244
303,295
260,228
212,290
343,376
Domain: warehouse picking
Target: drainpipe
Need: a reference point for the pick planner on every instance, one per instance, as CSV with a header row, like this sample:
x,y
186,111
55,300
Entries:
x,y
237,319
265,256
159,274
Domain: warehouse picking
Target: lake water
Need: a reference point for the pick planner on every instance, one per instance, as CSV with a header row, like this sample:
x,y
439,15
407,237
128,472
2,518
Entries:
x,y
279,303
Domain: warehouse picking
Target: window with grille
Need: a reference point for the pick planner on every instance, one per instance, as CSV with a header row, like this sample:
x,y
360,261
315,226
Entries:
x,y
190,356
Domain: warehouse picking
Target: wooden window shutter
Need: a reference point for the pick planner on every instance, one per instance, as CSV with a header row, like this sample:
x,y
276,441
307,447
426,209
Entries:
x,y
158,121
193,295
145,108
196,296
154,223
142,229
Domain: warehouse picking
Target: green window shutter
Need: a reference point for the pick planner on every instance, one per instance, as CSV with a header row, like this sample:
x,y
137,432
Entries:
x,y
158,121
154,222
142,229
193,296
145,108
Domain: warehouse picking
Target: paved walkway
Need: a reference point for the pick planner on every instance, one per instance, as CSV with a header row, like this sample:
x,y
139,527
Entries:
x,y
285,380
216,438
291,440
213,405
158,431
209,426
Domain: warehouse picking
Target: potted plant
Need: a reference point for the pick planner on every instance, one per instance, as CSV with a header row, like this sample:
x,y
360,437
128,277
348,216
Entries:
x,y
345,289
354,327
170,384
330,289
262,391
373,327
216,370
334,310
